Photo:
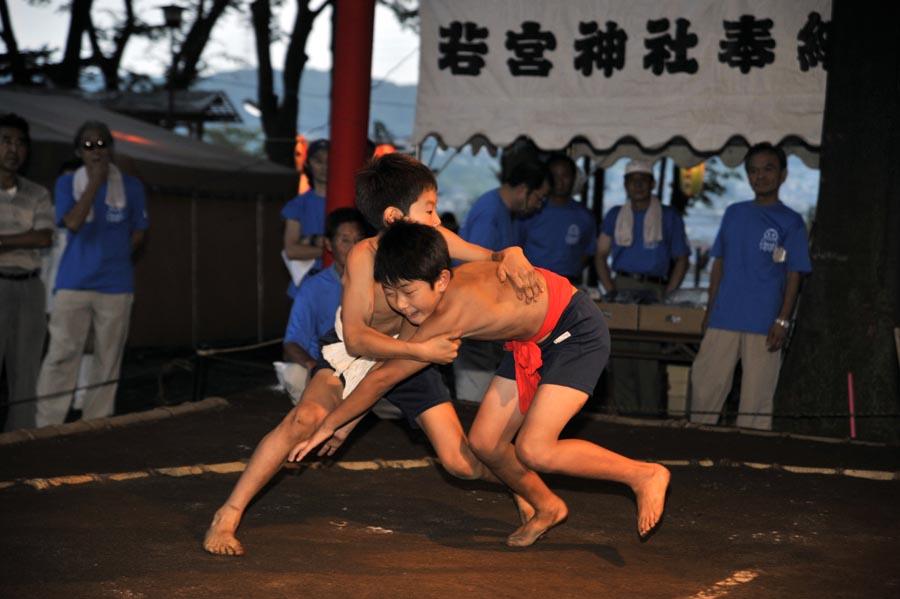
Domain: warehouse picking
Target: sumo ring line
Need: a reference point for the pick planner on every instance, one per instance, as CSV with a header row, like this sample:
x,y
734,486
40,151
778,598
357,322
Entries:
x,y
42,484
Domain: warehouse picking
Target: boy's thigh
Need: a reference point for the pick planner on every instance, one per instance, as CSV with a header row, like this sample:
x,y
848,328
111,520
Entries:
x,y
323,390
498,417
420,393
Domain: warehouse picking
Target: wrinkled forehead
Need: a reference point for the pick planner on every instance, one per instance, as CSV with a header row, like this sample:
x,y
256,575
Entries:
x,y
12,133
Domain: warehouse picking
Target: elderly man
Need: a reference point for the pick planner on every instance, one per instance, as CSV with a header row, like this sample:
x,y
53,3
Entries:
x,y
761,251
644,238
26,226
104,212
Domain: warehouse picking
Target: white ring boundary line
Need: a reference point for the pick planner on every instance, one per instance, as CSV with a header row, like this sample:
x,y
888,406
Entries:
x,y
724,587
230,467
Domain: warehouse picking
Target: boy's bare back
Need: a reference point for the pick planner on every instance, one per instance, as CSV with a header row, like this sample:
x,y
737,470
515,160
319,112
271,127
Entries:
x,y
482,307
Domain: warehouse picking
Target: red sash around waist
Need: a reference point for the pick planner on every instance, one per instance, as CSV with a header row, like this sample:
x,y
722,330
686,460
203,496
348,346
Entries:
x,y
527,354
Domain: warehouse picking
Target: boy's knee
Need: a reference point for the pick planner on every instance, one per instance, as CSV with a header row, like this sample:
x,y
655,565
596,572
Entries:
x,y
532,456
462,465
481,446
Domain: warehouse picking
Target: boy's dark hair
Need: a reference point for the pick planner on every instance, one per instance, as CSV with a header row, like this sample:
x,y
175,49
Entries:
x,y
764,147
532,173
14,121
339,216
391,180
102,127
410,252
565,160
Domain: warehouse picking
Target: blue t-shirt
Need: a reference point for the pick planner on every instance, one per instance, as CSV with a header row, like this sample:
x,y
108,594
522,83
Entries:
x,y
312,314
309,209
655,259
489,223
98,256
557,237
752,287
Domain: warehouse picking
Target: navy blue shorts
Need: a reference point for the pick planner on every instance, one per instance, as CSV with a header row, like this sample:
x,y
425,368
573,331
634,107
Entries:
x,y
412,396
577,360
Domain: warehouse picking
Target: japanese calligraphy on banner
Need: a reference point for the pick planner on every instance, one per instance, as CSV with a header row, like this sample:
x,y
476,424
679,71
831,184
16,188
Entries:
x,y
687,78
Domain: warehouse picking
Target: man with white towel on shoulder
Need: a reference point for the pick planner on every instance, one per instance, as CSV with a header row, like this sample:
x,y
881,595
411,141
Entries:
x,y
649,251
105,216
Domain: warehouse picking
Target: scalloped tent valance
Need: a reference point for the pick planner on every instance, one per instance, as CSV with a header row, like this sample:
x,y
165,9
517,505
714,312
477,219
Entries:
x,y
687,79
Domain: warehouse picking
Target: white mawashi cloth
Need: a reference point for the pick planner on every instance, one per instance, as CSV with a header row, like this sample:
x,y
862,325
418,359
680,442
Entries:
x,y
352,368
115,189
652,224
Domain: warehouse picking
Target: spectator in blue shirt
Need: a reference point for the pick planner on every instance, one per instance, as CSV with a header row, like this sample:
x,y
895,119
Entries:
x,y
490,220
649,251
760,251
104,212
562,235
490,225
318,298
304,216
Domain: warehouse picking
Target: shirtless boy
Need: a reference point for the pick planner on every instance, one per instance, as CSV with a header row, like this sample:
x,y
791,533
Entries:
x,y
391,188
561,338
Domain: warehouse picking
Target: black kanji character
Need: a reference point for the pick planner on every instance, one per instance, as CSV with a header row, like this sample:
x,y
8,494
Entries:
x,y
463,57
667,52
602,49
815,43
529,47
748,43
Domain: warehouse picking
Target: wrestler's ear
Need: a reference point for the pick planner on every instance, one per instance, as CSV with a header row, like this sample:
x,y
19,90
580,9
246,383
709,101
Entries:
x,y
443,280
391,215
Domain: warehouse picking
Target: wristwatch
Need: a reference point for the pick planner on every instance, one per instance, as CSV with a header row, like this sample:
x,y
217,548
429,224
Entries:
x,y
783,323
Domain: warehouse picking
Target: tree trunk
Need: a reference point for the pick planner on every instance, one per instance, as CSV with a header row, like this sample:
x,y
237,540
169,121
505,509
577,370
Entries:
x,y
280,120
66,74
16,63
851,302
188,56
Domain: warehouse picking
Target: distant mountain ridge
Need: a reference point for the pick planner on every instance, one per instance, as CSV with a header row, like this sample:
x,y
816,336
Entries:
x,y
392,104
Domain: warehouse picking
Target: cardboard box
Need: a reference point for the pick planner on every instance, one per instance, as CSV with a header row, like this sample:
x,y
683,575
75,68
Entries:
x,y
671,319
622,317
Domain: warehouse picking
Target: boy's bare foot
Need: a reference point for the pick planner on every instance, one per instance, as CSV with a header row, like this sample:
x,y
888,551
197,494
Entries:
x,y
651,499
542,521
220,539
526,510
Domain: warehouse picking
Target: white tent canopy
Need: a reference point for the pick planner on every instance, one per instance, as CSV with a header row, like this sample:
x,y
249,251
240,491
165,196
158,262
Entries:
x,y
683,78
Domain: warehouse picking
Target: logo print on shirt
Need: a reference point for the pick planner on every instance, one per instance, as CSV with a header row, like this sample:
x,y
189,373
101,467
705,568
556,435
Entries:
x,y
769,240
573,235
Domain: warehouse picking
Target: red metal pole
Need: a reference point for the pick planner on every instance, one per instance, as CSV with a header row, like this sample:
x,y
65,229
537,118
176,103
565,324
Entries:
x,y
351,85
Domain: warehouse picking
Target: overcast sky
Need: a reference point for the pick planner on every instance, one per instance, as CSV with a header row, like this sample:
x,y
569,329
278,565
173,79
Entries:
x,y
395,52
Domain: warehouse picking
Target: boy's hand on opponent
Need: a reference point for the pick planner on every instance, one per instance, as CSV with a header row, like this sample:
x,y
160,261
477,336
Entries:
x,y
440,349
524,278
319,436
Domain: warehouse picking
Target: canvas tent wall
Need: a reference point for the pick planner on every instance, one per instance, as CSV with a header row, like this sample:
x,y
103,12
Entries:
x,y
211,270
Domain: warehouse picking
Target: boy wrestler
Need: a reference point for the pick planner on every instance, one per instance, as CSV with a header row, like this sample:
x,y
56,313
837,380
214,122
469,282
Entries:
x,y
388,189
560,344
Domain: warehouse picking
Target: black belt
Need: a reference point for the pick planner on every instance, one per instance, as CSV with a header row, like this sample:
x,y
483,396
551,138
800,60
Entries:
x,y
21,276
641,277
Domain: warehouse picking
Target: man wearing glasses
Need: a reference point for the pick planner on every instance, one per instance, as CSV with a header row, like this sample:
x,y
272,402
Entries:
x,y
104,213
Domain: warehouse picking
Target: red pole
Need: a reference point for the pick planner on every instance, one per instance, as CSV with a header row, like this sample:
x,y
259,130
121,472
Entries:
x,y
351,83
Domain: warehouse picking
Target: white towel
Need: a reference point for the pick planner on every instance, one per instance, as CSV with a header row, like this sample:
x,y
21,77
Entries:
x,y
115,189
652,224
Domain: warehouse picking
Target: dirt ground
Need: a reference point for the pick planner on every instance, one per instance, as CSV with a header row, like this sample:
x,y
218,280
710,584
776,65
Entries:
x,y
747,516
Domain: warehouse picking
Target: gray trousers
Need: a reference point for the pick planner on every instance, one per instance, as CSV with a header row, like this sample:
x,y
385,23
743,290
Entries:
x,y
75,313
635,382
23,326
474,368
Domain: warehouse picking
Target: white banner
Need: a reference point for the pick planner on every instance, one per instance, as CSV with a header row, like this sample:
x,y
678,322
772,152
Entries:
x,y
644,74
